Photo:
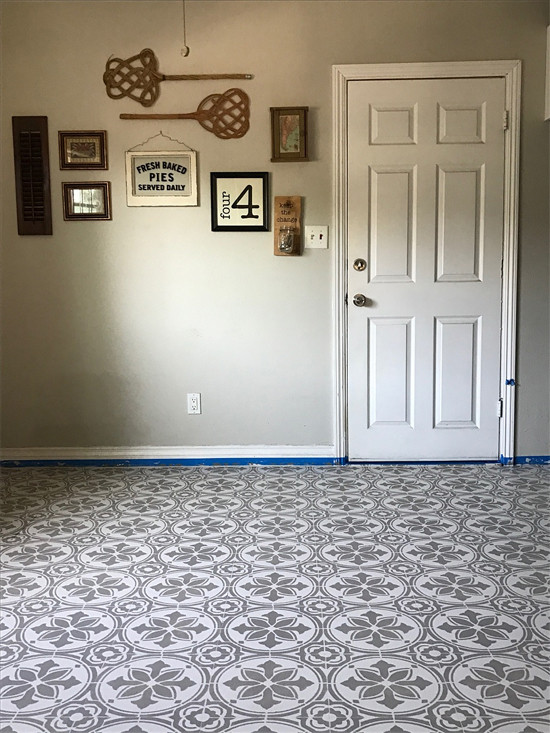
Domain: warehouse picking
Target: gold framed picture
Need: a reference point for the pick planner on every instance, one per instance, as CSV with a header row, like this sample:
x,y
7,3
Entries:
x,y
83,150
289,134
87,201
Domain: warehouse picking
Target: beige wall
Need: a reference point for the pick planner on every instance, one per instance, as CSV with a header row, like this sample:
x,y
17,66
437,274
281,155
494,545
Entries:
x,y
107,325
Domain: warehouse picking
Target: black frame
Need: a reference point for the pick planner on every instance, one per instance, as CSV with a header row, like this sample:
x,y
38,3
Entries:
x,y
226,213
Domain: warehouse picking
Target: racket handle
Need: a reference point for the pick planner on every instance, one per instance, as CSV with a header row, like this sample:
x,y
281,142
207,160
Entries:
x,y
197,77
171,116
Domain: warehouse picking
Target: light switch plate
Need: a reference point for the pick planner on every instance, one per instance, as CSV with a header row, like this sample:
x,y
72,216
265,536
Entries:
x,y
316,237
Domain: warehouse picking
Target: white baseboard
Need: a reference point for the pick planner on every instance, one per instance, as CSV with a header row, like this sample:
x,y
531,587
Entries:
x,y
209,453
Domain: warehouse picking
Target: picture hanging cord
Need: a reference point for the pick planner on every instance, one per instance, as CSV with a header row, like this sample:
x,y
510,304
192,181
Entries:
x,y
160,134
185,48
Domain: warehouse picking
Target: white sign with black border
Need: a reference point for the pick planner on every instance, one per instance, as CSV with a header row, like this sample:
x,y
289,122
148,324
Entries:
x,y
239,202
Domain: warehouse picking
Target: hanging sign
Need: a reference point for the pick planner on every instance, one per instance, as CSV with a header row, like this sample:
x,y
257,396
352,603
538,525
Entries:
x,y
161,178
287,229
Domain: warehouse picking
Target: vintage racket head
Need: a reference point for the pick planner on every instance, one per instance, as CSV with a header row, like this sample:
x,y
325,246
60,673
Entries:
x,y
137,78
226,115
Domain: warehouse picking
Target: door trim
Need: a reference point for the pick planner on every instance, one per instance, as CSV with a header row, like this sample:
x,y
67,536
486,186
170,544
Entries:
x,y
510,71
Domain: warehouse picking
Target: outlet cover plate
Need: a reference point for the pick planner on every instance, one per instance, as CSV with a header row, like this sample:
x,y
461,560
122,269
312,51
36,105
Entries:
x,y
193,403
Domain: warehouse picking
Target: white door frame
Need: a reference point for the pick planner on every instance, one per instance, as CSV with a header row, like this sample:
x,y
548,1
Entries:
x,y
511,72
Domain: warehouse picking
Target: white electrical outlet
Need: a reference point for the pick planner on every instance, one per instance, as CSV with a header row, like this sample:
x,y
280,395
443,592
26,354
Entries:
x,y
193,403
316,237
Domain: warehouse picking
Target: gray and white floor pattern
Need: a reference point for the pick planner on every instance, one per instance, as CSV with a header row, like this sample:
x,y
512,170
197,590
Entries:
x,y
265,599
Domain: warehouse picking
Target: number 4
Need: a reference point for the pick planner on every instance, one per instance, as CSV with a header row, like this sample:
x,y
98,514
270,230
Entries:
x,y
249,206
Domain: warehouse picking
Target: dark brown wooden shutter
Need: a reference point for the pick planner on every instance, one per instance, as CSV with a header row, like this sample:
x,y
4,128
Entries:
x,y
32,175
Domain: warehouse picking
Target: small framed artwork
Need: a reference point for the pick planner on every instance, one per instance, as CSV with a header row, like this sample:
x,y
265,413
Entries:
x,y
83,150
289,134
239,202
162,178
87,201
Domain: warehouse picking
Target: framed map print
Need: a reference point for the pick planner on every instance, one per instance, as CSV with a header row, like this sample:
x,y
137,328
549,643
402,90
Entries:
x,y
289,134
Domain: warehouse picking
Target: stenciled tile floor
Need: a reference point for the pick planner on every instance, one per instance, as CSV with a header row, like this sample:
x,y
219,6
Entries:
x,y
355,599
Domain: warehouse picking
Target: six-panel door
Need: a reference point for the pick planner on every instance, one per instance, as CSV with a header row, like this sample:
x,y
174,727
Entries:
x,y
425,210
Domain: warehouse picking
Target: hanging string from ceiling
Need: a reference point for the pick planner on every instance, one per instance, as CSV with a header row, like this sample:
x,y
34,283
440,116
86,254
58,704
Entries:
x,y
185,48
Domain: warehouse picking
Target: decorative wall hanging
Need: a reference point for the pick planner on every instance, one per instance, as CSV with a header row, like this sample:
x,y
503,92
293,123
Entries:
x,y
139,78
83,150
289,134
32,175
239,202
287,215
166,177
87,201
226,115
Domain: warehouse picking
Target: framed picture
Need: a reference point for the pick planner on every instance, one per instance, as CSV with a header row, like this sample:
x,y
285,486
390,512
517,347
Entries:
x,y
239,202
288,134
87,201
162,178
83,150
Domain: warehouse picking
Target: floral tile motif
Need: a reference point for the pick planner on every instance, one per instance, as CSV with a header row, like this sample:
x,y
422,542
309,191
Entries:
x,y
504,684
456,586
372,630
183,587
271,630
150,685
365,588
478,629
274,587
387,685
170,630
69,630
268,685
284,599
39,683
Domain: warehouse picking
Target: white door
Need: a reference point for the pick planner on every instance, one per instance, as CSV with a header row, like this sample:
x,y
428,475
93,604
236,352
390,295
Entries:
x,y
425,220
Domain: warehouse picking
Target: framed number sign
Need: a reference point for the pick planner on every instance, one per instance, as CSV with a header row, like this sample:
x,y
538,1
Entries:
x,y
239,202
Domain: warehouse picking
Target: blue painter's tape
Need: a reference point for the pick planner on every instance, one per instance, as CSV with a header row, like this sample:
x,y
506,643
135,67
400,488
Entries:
x,y
533,460
320,461
511,382
423,463
120,462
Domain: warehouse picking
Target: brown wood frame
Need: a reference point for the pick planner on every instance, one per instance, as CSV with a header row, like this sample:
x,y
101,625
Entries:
x,y
68,212
94,137
278,116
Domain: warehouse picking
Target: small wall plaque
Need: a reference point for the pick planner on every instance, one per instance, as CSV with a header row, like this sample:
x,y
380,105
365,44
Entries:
x,y
287,228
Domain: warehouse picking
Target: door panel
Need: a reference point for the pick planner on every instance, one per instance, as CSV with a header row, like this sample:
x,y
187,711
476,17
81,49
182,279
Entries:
x,y
392,232
390,379
456,373
460,197
425,210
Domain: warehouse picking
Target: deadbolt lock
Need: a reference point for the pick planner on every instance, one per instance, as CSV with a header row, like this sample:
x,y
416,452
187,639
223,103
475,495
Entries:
x,y
360,265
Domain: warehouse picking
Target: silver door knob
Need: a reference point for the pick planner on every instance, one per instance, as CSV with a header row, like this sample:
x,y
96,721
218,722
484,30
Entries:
x,y
359,300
